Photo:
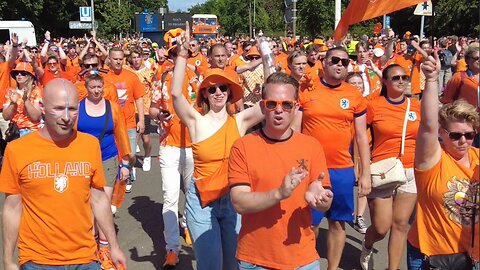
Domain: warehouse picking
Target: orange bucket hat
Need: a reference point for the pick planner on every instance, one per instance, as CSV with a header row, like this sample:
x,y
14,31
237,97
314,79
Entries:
x,y
253,52
170,41
22,66
214,76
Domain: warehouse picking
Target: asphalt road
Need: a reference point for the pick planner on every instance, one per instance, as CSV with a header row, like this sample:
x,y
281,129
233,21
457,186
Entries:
x,y
140,228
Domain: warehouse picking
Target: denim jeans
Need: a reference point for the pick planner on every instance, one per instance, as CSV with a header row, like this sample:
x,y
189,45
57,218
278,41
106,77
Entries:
x,y
214,231
415,259
175,164
24,131
35,266
249,266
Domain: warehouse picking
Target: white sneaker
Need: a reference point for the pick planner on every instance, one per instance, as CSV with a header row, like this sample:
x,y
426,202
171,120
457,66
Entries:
x,y
365,257
128,187
137,150
134,174
114,209
360,225
147,162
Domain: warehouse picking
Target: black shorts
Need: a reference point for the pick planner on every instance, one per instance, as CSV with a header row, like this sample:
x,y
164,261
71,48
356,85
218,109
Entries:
x,y
148,123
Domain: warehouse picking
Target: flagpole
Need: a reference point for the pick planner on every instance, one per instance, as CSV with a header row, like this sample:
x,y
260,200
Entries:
x,y
422,24
338,12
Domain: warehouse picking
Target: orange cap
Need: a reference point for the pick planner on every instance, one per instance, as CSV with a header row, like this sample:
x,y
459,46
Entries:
x,y
253,52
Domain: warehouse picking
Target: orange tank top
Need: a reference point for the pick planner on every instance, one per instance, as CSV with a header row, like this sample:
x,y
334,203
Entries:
x,y
209,153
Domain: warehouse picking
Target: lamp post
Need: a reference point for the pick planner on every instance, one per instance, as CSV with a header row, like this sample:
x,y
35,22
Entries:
x,y
294,26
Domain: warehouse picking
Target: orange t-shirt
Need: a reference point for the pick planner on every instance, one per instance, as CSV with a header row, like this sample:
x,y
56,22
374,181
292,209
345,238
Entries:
x,y
54,181
200,61
109,91
238,62
20,116
468,91
4,80
73,66
328,115
48,76
262,164
129,88
315,70
162,68
442,224
386,118
461,65
174,132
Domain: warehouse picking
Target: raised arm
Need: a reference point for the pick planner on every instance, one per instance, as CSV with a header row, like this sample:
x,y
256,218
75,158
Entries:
x,y
43,52
183,109
427,149
13,51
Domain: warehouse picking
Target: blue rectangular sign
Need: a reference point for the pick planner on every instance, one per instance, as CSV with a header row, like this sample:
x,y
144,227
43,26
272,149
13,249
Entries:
x,y
148,22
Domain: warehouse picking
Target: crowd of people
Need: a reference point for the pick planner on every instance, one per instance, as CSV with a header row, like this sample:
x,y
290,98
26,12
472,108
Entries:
x,y
263,151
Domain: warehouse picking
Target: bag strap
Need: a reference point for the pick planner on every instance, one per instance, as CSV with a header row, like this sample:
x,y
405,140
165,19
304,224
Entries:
x,y
404,131
107,118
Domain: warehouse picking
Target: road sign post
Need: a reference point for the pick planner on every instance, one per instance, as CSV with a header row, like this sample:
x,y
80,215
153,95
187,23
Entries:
x,y
423,9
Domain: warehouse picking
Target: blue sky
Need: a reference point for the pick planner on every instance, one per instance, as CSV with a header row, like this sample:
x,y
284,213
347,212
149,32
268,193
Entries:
x,y
183,5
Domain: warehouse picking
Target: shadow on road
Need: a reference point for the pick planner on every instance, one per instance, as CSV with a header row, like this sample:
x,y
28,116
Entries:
x,y
149,214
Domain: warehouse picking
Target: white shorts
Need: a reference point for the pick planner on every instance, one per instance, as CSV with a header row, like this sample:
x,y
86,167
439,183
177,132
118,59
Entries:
x,y
409,187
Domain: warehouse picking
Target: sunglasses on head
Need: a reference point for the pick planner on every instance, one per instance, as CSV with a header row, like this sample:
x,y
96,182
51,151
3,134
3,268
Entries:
x,y
213,89
335,60
90,65
287,105
455,136
398,77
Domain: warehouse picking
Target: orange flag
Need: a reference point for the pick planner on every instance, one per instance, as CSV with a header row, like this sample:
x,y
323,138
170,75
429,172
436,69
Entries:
x,y
362,10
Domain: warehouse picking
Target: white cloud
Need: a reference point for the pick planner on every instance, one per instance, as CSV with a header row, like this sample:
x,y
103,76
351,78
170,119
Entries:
x,y
183,5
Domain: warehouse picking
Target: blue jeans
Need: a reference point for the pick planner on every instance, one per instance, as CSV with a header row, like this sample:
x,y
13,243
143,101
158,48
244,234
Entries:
x,y
35,266
24,131
214,231
249,266
415,259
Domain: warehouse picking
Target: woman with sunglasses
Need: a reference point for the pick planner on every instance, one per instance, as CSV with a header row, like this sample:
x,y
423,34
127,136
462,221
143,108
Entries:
x,y
213,228
104,120
447,176
390,208
22,105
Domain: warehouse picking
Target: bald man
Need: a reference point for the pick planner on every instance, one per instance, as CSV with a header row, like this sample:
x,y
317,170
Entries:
x,y
53,181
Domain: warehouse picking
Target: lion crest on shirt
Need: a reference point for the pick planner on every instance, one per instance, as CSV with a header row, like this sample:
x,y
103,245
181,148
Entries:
x,y
344,103
61,183
459,201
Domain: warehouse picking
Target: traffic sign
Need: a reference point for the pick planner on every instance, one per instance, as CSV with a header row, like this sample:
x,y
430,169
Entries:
x,y
424,9
80,25
85,14
387,21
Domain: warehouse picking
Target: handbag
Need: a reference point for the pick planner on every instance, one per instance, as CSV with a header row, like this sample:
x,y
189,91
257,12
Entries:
x,y
388,173
12,132
214,186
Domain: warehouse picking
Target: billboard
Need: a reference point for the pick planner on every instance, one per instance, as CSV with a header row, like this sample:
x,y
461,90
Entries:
x,y
149,22
176,20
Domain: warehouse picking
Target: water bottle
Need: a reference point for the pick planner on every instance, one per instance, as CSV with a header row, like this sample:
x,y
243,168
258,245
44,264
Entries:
x,y
268,58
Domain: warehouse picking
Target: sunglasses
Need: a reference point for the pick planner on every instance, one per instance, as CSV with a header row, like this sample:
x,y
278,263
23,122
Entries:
x,y
345,61
455,136
52,64
287,105
23,73
397,78
213,89
254,58
34,51
90,65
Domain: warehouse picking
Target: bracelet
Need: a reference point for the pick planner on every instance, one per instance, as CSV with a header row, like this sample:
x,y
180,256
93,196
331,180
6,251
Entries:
x,y
124,166
47,40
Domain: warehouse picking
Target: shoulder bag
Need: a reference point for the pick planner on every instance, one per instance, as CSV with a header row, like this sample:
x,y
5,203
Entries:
x,y
389,172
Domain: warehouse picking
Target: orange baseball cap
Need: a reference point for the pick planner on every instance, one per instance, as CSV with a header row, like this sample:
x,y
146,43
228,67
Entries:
x,y
253,52
214,76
